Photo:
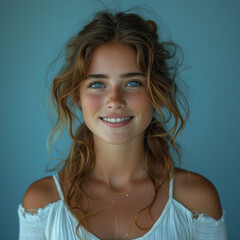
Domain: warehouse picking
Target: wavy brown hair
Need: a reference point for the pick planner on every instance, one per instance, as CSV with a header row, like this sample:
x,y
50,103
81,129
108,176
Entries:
x,y
158,60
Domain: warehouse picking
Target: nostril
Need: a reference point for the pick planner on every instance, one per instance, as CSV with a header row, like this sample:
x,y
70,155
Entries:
x,y
115,106
115,103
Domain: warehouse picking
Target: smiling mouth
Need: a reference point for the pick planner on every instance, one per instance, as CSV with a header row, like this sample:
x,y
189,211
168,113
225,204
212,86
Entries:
x,y
116,120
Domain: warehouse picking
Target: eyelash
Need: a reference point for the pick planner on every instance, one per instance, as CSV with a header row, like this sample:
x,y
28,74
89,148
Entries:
x,y
138,83
100,83
92,84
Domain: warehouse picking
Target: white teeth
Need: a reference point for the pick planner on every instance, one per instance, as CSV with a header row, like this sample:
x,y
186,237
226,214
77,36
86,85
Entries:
x,y
114,120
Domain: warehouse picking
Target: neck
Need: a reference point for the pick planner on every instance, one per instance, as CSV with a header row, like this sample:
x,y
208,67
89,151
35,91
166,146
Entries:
x,y
118,165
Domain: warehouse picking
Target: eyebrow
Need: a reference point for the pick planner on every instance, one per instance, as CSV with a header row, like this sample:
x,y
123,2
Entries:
x,y
132,74
90,76
125,75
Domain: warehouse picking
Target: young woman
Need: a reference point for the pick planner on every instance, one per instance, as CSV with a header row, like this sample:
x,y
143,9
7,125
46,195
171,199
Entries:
x,y
119,180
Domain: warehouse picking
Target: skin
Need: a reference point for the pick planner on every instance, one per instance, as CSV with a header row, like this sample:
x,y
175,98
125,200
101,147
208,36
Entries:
x,y
119,150
109,91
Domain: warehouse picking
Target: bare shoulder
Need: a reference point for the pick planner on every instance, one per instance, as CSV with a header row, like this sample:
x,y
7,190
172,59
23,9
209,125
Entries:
x,y
197,193
40,193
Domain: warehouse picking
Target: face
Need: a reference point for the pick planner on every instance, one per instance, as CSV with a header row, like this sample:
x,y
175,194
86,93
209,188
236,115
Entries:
x,y
113,97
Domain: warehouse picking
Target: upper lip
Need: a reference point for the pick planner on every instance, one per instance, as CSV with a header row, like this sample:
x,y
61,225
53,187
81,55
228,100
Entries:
x,y
116,116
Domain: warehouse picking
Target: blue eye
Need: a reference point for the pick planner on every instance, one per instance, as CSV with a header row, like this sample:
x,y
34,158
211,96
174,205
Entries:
x,y
96,85
133,84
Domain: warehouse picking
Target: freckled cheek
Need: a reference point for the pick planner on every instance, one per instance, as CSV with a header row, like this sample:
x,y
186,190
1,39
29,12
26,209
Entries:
x,y
91,103
141,102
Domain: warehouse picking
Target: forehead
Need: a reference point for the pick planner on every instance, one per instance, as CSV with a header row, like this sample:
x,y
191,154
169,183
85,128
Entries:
x,y
113,58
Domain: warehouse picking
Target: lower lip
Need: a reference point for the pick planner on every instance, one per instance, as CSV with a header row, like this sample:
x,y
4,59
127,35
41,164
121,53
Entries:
x,y
117,124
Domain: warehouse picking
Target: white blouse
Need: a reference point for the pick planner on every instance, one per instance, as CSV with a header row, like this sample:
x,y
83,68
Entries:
x,y
56,222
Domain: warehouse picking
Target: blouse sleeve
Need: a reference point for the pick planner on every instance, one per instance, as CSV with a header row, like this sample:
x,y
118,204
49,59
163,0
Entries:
x,y
31,225
206,227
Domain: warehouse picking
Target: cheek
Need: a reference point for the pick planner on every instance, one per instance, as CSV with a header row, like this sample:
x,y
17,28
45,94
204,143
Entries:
x,y
141,102
90,103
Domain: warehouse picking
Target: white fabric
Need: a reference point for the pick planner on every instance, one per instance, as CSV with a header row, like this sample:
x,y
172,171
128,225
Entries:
x,y
55,222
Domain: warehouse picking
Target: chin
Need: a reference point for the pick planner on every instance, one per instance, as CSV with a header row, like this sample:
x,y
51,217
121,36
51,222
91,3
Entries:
x,y
121,139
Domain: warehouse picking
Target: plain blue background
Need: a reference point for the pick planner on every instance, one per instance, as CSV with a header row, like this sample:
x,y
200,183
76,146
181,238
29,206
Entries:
x,y
33,33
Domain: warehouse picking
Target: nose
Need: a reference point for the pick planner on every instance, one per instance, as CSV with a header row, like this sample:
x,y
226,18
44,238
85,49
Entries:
x,y
115,99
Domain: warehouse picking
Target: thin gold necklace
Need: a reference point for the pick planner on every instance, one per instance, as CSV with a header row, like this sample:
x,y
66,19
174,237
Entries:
x,y
125,195
132,222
